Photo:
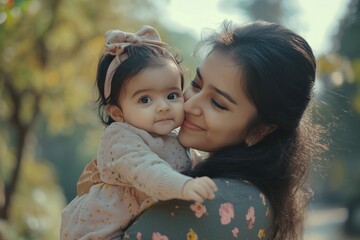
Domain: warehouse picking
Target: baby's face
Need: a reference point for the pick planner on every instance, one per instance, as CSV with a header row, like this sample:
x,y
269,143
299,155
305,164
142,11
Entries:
x,y
153,100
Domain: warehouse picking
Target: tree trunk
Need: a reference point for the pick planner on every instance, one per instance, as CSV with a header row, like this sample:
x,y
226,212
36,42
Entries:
x,y
10,188
21,131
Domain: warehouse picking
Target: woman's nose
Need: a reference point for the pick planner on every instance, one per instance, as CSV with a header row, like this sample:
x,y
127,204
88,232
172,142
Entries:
x,y
192,104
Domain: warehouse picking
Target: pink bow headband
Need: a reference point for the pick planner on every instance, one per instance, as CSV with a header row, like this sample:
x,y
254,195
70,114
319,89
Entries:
x,y
117,41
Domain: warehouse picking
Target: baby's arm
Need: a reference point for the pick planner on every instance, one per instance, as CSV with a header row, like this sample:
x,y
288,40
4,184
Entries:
x,y
125,159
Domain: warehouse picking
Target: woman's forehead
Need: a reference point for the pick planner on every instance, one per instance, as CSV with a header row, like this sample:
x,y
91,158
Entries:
x,y
221,71
220,65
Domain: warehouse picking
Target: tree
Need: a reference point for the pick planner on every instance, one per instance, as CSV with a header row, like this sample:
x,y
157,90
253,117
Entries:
x,y
277,11
49,51
340,75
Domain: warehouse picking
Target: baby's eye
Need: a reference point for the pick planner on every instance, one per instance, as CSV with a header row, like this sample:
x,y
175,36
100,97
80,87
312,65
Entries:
x,y
145,99
173,96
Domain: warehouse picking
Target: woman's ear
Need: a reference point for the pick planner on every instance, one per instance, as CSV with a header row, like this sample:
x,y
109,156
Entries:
x,y
115,113
259,133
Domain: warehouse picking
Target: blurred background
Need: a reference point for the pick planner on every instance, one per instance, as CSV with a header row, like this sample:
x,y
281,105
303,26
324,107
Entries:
x,y
49,51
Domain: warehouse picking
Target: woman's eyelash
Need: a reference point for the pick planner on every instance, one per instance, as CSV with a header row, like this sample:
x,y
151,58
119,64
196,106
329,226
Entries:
x,y
194,84
216,104
213,102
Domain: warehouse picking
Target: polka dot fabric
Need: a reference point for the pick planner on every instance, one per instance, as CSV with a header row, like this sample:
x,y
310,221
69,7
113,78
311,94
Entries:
x,y
136,169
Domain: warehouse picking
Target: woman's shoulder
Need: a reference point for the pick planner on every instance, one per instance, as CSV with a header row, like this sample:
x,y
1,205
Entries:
x,y
239,211
242,202
239,191
231,188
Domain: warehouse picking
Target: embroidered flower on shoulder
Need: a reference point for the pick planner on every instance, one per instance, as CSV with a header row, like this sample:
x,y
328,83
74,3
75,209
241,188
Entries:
x,y
263,199
158,236
250,217
235,232
226,212
199,209
191,235
268,212
261,234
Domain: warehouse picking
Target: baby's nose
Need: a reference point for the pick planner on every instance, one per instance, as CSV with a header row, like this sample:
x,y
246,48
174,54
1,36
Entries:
x,y
163,106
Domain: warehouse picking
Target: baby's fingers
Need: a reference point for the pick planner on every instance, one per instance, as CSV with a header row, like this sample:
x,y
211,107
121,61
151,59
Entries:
x,y
210,183
208,188
196,197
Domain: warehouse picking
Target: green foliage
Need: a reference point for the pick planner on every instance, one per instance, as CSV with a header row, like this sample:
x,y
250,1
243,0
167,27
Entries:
x,y
335,70
278,11
38,202
49,51
339,72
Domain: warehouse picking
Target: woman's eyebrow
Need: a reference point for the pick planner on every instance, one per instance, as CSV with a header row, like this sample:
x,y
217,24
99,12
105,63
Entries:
x,y
199,74
221,92
224,94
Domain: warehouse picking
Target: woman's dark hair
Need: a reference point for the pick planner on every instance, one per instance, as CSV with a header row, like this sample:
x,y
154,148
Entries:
x,y
277,69
140,57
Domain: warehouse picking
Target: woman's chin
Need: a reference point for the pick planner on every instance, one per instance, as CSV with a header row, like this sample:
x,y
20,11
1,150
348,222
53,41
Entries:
x,y
184,138
189,140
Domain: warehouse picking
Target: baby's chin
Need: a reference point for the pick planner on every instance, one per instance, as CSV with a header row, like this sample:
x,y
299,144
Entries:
x,y
162,132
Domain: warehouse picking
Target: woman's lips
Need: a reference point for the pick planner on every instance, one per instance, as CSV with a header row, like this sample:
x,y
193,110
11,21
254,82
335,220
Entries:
x,y
192,126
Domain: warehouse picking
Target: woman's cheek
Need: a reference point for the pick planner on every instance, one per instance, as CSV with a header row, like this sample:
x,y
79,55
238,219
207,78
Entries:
x,y
188,93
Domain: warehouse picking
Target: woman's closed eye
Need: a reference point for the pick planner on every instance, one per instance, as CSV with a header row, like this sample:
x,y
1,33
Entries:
x,y
195,85
145,100
217,105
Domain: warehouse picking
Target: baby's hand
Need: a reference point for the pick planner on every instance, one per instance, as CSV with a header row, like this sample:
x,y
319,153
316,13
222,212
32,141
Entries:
x,y
199,189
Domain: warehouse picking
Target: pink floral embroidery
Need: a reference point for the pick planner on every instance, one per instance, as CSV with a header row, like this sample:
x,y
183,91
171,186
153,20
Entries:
x,y
138,236
262,196
267,212
250,217
226,212
199,209
158,236
235,232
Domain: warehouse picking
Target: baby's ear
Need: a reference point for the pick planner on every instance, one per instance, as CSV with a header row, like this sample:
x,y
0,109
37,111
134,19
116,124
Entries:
x,y
259,133
115,113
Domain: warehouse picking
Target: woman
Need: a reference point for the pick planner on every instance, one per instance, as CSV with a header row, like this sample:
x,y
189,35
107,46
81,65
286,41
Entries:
x,y
246,107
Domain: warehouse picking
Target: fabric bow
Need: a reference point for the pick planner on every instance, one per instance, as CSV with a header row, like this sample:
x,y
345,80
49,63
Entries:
x,y
89,177
117,41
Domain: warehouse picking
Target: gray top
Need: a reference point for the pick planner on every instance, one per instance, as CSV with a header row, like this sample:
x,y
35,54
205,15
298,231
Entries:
x,y
239,211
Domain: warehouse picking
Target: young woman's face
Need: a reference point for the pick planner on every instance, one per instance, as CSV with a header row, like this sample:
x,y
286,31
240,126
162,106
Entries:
x,y
217,111
153,100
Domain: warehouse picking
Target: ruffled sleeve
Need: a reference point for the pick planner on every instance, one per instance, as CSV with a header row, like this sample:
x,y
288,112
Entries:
x,y
125,158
